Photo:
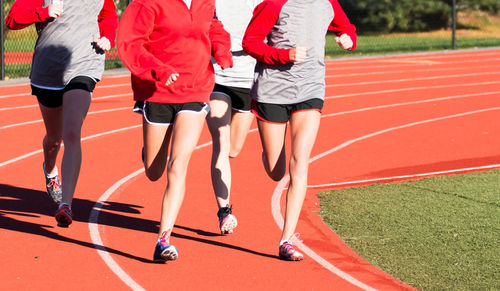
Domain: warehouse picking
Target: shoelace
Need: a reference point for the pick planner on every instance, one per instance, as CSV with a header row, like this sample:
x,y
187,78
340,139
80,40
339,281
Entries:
x,y
165,237
54,183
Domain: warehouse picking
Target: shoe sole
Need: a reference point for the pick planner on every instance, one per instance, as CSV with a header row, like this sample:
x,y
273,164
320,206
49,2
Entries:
x,y
293,258
228,225
169,254
63,220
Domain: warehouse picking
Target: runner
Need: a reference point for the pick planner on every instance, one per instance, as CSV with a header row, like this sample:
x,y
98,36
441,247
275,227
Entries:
x,y
230,118
67,64
288,40
167,46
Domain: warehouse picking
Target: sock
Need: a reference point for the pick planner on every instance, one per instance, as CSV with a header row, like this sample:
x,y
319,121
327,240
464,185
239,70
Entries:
x,y
50,176
282,242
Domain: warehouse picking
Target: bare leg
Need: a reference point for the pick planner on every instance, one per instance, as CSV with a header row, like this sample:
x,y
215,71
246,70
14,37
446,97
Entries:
x,y
240,125
75,107
218,124
156,139
272,137
303,128
186,132
52,119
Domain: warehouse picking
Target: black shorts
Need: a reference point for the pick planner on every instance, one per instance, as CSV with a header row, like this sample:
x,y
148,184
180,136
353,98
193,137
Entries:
x,y
280,113
54,98
165,113
240,97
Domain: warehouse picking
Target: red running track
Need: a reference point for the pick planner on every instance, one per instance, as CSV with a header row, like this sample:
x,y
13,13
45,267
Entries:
x,y
385,119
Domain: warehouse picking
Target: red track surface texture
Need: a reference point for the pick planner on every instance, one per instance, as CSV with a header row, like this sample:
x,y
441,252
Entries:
x,y
387,118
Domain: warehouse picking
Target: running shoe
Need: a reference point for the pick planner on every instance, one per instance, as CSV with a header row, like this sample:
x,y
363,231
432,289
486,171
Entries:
x,y
289,253
164,251
64,216
227,221
53,185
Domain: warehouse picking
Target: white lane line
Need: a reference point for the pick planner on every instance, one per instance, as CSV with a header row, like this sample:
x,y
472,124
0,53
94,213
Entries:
x,y
385,72
41,120
412,79
409,103
83,139
96,238
412,89
375,180
93,99
279,190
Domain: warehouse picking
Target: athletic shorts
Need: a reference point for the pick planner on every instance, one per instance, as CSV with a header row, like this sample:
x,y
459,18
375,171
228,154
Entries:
x,y
280,113
54,97
240,97
165,113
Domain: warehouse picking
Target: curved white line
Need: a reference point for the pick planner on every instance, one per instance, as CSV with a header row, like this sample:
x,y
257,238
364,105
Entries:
x,y
96,238
462,170
83,139
278,191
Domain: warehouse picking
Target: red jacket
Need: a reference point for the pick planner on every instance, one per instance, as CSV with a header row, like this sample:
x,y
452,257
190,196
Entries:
x,y
23,13
157,38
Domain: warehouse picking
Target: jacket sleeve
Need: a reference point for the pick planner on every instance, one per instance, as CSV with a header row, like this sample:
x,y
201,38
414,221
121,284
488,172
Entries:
x,y
136,24
341,23
23,13
264,18
108,21
221,44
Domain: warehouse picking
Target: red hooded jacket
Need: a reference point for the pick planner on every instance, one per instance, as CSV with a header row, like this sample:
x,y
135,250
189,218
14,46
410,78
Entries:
x,y
158,38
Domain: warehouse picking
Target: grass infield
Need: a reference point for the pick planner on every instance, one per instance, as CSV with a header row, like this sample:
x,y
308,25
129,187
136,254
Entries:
x,y
439,233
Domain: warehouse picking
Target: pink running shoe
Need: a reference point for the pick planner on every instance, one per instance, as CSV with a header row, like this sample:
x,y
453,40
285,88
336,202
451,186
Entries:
x,y
227,221
164,251
64,216
289,253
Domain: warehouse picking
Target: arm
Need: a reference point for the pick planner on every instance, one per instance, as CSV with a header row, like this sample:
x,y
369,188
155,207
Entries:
x,y
264,18
136,25
108,22
341,25
221,44
23,13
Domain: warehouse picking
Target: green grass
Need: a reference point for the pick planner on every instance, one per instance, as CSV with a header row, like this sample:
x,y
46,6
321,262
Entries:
x,y
440,233
371,45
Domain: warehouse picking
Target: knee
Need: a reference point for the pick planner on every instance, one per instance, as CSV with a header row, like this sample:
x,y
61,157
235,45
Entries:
x,y
53,141
234,152
298,165
177,168
71,137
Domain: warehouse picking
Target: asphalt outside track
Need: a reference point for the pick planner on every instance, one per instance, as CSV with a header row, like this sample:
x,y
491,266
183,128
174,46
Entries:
x,y
385,119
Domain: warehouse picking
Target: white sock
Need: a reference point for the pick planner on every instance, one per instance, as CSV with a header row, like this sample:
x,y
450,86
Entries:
x,y
283,241
53,175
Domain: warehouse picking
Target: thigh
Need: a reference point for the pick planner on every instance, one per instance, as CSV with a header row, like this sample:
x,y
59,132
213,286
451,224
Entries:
x,y
220,112
304,127
156,138
76,104
272,137
52,120
186,133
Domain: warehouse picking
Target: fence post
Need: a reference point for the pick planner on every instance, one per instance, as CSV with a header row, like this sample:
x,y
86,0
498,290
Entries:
x,y
2,46
454,24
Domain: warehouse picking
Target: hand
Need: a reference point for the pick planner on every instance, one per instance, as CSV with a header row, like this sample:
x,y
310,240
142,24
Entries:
x,y
344,41
103,43
55,10
172,79
298,54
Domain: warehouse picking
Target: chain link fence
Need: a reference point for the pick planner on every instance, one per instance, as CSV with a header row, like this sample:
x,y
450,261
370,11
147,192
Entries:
x,y
384,26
